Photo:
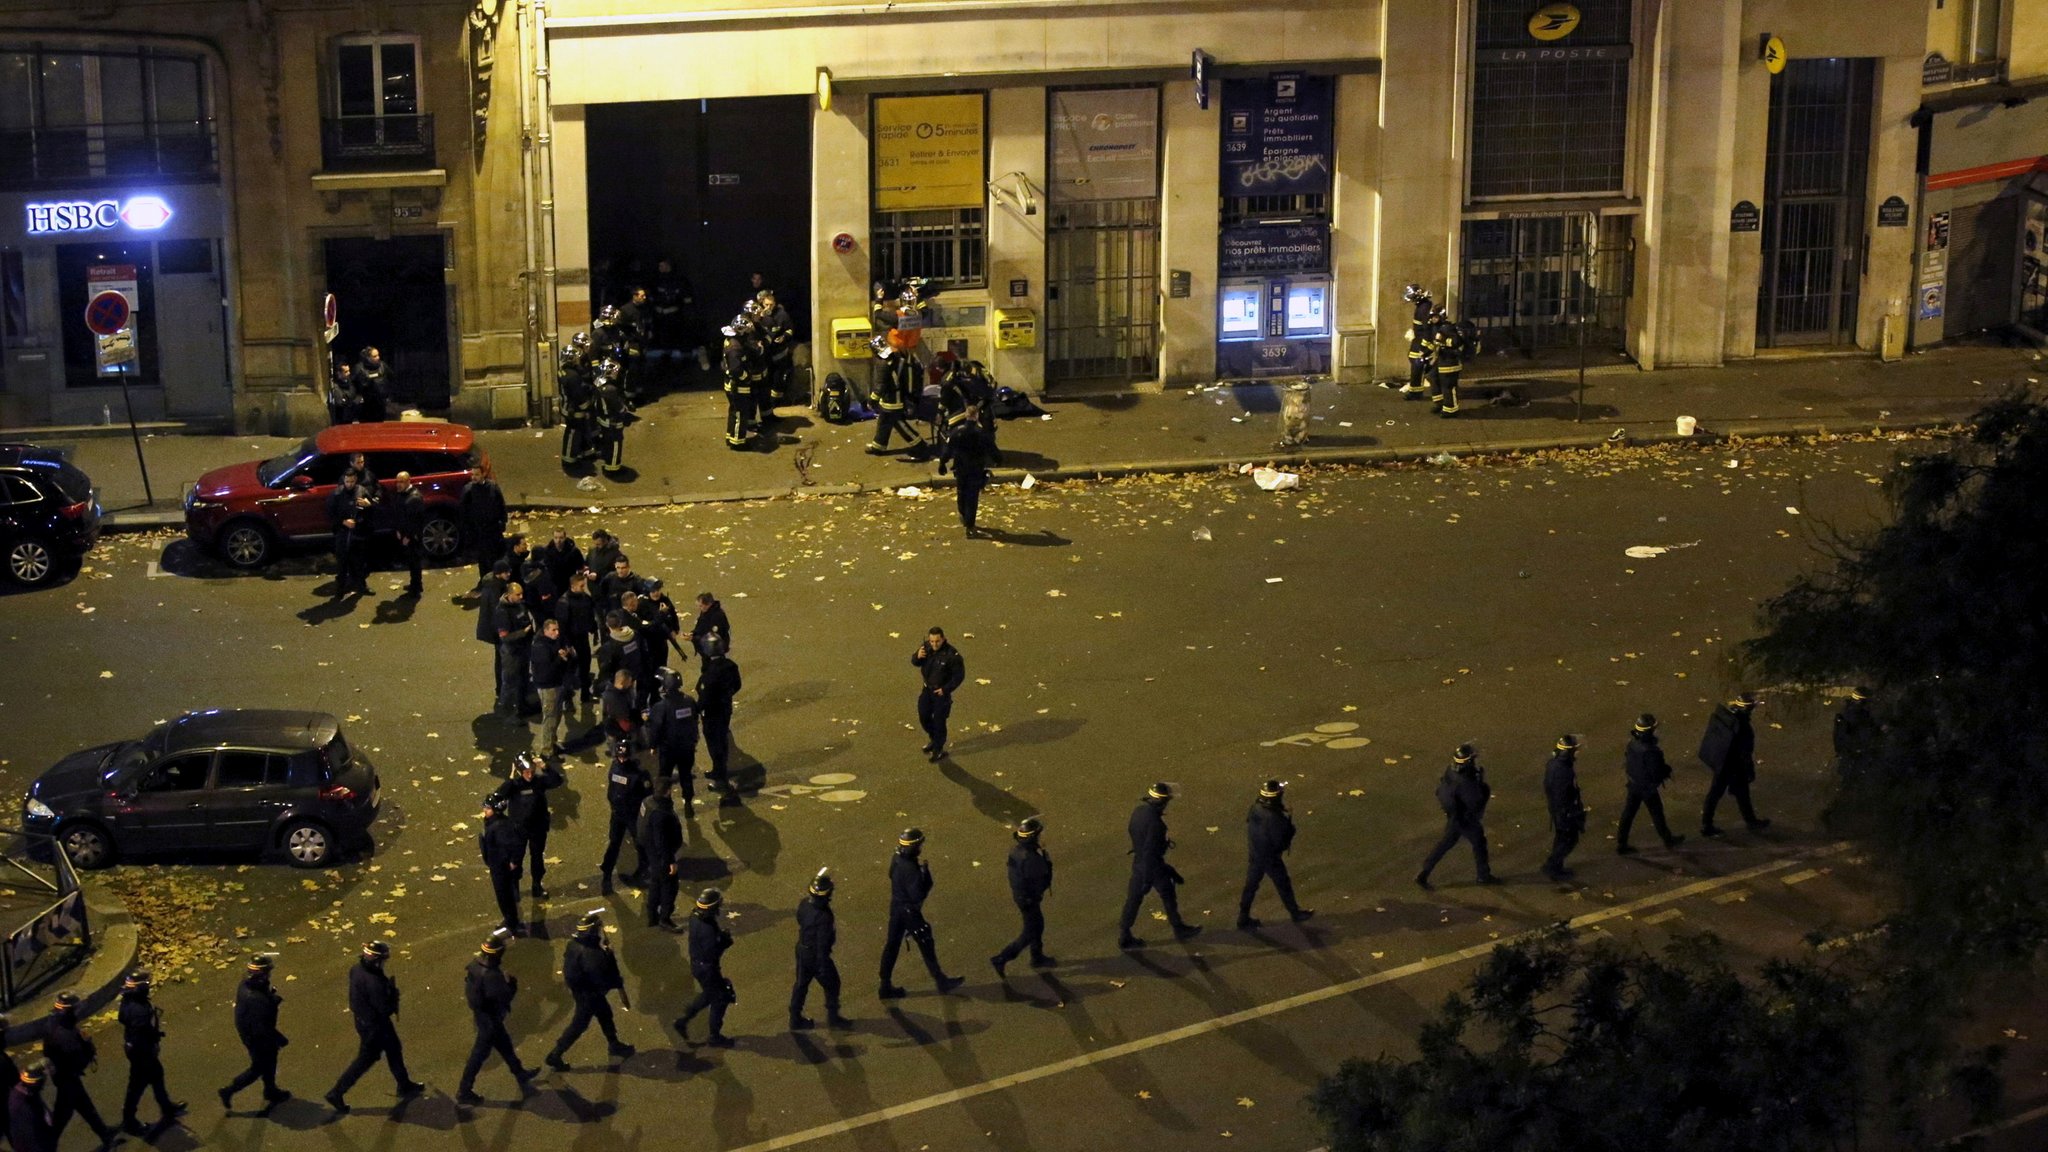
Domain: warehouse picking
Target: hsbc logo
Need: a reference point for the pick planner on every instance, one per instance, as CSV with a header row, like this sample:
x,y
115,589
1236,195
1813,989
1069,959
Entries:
x,y
142,213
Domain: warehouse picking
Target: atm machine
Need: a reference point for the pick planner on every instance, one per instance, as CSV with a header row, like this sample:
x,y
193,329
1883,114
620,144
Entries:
x,y
1268,326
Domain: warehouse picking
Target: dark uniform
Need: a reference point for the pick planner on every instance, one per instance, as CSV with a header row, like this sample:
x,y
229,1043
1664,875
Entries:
x,y
943,670
348,514
1418,340
577,612
1448,347
661,839
483,521
1855,733
734,363
625,788
1269,833
373,1005
1567,807
778,340
711,621
969,451
1647,771
526,805
515,643
591,972
256,1023
489,590
708,942
1149,870
504,848
70,1053
142,1038
1728,749
28,1119
718,681
609,413
817,930
1462,793
896,388
489,990
1030,879
372,376
672,735
572,384
910,881
407,510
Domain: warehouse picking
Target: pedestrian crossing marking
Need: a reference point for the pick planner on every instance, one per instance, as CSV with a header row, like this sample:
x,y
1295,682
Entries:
x,y
1661,917
1800,877
1736,897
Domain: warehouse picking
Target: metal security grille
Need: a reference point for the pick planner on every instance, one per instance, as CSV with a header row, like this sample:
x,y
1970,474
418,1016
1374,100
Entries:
x,y
1544,125
1529,282
1814,173
1102,291
948,245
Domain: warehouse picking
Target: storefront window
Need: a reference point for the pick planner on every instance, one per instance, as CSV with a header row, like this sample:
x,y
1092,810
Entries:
x,y
1550,123
84,271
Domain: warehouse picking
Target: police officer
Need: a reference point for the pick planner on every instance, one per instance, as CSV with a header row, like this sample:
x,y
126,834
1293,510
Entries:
x,y
28,1119
70,1053
489,991
1647,771
1728,749
591,972
1448,348
626,787
515,644
711,621
969,451
1418,333
482,508
1855,732
373,1005
343,401
734,364
1269,834
817,930
407,511
526,803
1149,870
910,881
718,681
708,942
661,840
1030,879
348,513
894,391
372,385
1462,793
576,609
672,735
256,1023
503,843
142,1038
1567,807
942,670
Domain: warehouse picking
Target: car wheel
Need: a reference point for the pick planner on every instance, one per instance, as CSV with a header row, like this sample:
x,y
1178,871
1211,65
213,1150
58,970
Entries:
x,y
247,544
30,562
308,843
440,539
87,844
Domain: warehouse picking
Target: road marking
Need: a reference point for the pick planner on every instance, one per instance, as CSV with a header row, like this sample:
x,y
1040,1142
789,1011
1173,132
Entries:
x,y
1735,897
1258,1012
1801,877
1661,917
2010,1122
154,571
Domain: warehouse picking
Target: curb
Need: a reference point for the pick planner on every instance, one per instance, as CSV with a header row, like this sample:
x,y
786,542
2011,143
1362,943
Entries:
x,y
146,520
115,946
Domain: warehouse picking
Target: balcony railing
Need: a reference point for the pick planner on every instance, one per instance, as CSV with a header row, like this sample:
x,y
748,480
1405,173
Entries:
x,y
179,150
376,143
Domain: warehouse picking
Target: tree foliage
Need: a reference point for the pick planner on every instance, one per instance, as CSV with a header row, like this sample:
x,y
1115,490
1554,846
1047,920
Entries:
x,y
1941,613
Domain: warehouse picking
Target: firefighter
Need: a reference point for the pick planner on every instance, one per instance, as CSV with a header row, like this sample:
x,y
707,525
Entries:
x,y
1418,341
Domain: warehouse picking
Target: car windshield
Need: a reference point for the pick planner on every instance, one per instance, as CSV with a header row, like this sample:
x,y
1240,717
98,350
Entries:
x,y
273,469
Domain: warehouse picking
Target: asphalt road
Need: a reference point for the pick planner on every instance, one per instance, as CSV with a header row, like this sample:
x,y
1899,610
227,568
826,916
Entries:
x,y
1344,637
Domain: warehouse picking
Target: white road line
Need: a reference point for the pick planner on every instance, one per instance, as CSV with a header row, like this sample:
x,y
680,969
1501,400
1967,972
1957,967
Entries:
x,y
1735,897
1661,917
154,571
1801,877
1258,1012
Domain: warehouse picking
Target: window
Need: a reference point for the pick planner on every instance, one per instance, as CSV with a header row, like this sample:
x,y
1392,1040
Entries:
x,y
377,119
240,769
71,116
947,245
15,490
1964,34
1548,127
325,470
181,773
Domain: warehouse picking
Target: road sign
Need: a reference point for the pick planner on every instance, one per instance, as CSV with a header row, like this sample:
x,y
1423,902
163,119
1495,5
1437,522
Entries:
x,y
107,313
330,318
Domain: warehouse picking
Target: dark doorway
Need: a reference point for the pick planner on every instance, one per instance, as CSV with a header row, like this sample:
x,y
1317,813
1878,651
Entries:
x,y
722,188
1815,169
394,294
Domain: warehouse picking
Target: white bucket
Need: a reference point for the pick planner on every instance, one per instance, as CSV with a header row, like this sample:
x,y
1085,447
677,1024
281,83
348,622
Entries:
x,y
1687,425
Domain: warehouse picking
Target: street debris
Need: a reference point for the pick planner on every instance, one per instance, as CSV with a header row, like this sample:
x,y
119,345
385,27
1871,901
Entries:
x,y
1645,551
589,484
1202,533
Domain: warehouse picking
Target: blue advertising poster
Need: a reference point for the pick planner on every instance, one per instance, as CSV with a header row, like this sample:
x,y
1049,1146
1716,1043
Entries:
x,y
1262,249
1276,135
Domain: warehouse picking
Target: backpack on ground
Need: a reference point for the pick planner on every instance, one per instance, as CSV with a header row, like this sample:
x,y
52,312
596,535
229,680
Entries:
x,y
835,405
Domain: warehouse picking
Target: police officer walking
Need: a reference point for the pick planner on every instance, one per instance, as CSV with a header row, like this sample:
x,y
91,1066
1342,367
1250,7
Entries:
x,y
943,670
718,681
1030,869
817,930
373,1005
969,451
626,787
591,972
142,1038
526,805
1567,807
70,1053
1728,749
910,881
708,942
256,1005
1462,793
28,1119
489,991
1269,834
661,839
672,735
503,844
1647,771
1149,870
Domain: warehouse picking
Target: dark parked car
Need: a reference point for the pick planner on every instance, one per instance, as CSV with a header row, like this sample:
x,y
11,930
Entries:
x,y
49,514
245,779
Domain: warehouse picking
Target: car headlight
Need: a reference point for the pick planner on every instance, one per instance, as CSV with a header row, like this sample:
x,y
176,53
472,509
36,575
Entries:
x,y
37,810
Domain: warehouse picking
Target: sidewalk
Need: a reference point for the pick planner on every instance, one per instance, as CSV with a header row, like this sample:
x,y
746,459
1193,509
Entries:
x,y
678,454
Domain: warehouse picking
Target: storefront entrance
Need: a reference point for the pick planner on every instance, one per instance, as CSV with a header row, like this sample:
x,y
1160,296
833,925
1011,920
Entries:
x,y
394,294
1815,171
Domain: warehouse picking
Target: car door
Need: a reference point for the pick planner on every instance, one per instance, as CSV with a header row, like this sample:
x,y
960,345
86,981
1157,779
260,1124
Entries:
x,y
166,808
248,794
298,508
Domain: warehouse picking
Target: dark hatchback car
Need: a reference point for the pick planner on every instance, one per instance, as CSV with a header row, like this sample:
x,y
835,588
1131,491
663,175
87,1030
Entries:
x,y
49,515
222,780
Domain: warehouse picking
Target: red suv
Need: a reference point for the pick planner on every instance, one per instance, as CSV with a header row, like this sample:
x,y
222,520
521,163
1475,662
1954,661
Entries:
x,y
245,511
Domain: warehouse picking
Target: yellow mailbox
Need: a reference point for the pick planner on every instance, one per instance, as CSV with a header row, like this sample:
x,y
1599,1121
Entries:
x,y
850,338
1016,328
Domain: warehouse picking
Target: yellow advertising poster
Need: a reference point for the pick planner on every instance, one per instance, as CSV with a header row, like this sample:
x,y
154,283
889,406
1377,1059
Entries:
x,y
929,152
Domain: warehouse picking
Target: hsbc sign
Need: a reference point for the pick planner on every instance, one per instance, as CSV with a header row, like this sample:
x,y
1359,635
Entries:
x,y
142,213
